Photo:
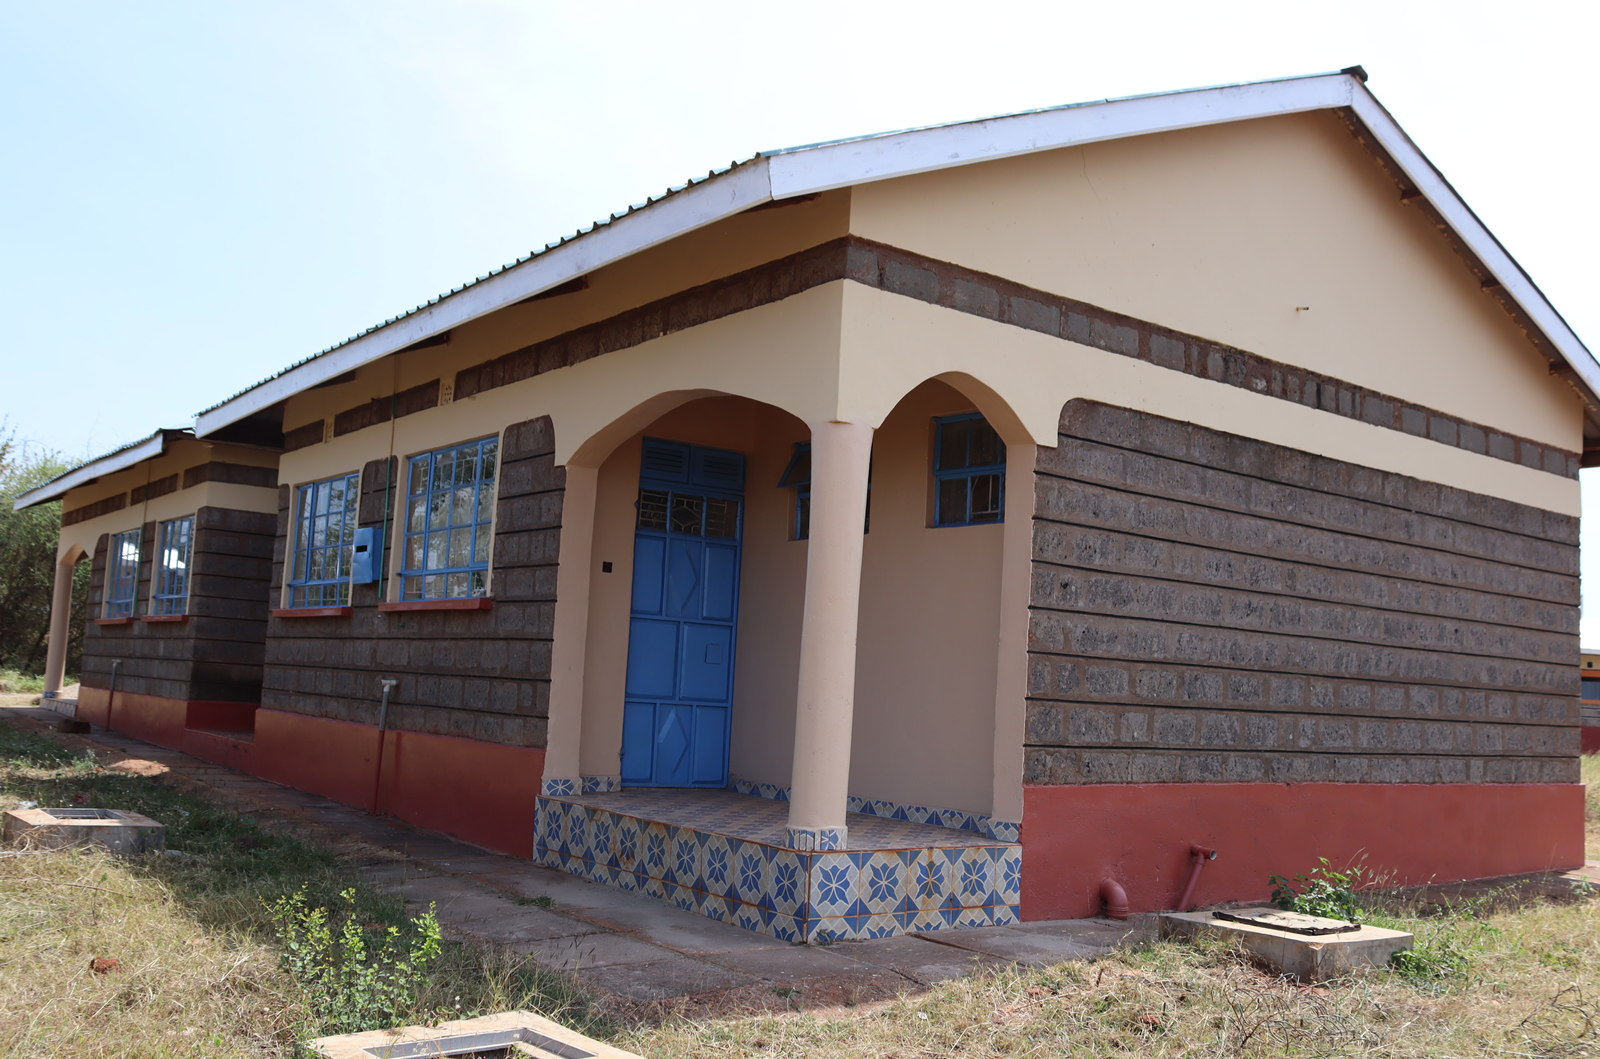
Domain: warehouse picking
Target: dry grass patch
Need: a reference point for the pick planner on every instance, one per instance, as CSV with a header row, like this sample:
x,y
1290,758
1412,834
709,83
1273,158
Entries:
x,y
190,952
100,959
1526,991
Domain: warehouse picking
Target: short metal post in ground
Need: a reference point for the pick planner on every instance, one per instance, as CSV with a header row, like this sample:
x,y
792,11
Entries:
x,y
383,725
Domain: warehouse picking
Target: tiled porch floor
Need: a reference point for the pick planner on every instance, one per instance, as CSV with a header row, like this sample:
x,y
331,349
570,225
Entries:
x,y
752,818
721,854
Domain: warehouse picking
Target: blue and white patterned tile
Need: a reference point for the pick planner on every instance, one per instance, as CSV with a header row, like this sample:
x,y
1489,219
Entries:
x,y
716,866
655,850
826,929
558,788
882,882
1010,865
787,889
880,926
1005,915
833,884
974,917
685,856
1005,831
627,843
651,886
930,880
975,876
574,831
752,869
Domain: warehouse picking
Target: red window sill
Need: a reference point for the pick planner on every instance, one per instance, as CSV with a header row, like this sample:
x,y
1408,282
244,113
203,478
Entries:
x,y
164,617
115,621
475,603
312,612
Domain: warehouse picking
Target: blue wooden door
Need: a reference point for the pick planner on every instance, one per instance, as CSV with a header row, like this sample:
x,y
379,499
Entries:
x,y
678,710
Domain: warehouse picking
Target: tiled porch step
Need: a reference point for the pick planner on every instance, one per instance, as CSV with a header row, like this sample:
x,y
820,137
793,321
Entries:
x,y
720,854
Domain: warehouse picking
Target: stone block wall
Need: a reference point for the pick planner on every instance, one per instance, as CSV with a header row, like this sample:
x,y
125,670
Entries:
x,y
479,674
215,655
1206,607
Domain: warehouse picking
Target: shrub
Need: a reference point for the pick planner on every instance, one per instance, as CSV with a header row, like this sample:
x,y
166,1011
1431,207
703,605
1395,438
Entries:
x,y
1325,892
350,983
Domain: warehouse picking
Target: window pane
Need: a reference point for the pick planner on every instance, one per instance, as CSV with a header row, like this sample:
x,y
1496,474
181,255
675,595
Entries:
x,y
985,497
485,502
486,461
467,465
438,511
411,588
480,548
438,548
953,445
986,449
463,512
952,501
444,470
433,587
307,496
419,475
480,582
686,511
414,553
652,510
1591,688
457,586
416,521
722,517
799,469
460,547
802,516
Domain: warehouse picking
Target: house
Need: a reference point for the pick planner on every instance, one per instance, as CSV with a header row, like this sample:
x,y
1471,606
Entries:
x,y
914,531
1589,702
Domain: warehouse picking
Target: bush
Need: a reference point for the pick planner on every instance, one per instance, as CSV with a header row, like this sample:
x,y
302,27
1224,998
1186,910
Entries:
x,y
350,983
1325,892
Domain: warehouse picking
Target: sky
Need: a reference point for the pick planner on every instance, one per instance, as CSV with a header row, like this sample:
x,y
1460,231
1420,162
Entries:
x,y
195,195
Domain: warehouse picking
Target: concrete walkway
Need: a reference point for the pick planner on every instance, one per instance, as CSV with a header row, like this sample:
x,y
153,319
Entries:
x,y
643,952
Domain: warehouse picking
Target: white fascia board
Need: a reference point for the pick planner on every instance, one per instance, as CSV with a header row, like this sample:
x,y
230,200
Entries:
x,y
148,449
1459,216
810,170
712,200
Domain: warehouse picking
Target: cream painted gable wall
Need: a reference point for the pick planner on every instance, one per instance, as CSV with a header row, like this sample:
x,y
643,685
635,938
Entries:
x,y
1222,232
180,455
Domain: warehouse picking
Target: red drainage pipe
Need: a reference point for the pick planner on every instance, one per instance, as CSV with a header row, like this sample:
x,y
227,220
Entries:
x,y
1115,899
1198,855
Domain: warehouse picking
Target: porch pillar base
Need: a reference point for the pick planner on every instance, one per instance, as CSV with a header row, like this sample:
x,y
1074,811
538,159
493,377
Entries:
x,y
817,839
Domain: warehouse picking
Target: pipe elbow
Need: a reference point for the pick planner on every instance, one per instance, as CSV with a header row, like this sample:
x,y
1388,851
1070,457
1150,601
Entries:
x,y
1115,899
1203,852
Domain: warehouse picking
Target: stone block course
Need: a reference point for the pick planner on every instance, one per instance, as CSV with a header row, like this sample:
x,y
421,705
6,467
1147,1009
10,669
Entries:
x,y
1206,607
479,674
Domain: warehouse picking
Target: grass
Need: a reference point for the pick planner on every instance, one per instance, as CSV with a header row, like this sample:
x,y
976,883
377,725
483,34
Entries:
x,y
190,930
15,682
197,971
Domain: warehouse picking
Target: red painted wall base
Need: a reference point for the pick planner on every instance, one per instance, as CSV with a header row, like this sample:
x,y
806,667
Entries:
x,y
1073,837
1590,739
482,792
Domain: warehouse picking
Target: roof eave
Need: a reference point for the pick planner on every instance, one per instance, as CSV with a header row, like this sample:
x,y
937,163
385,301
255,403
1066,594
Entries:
x,y
829,166
119,460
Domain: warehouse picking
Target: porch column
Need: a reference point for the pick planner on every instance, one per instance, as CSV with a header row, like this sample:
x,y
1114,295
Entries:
x,y
55,659
562,768
1011,676
825,702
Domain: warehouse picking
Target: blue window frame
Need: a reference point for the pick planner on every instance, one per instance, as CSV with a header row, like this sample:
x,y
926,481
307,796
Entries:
x,y
797,476
325,528
176,546
122,573
449,509
969,469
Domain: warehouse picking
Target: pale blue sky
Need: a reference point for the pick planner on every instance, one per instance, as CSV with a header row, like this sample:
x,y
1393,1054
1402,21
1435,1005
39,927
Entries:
x,y
193,195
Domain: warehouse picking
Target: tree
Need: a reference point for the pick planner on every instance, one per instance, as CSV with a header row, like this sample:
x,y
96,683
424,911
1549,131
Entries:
x,y
28,541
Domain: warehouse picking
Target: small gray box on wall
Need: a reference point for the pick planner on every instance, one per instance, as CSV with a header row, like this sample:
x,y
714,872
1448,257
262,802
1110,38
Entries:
x,y
366,563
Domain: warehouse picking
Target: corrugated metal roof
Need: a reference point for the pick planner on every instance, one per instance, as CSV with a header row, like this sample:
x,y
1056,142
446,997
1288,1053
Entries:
x,y
104,464
563,241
